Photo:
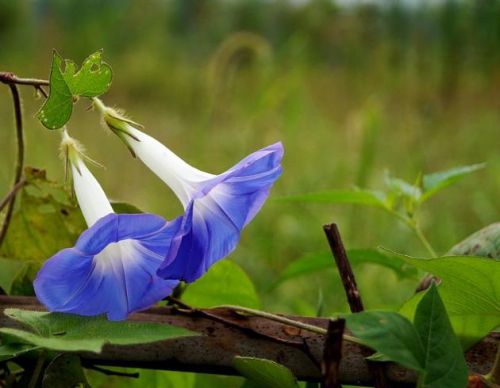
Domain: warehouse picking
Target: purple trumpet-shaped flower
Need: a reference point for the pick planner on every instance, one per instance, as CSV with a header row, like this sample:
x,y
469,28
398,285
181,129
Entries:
x,y
112,267
217,207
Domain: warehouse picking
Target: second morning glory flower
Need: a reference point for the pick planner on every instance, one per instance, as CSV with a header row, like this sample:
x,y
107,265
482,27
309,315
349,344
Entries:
x,y
112,267
217,207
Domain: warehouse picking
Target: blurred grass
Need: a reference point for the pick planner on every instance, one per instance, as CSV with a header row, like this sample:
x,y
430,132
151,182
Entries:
x,y
350,92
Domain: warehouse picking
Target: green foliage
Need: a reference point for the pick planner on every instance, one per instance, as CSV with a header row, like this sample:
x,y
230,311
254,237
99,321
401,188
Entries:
x,y
264,373
56,111
65,371
10,270
444,362
320,261
470,290
429,345
390,334
92,80
224,283
483,243
45,221
433,183
11,349
356,197
68,332
147,378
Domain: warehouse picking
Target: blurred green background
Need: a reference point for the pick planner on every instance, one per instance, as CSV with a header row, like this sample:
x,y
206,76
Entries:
x,y
352,89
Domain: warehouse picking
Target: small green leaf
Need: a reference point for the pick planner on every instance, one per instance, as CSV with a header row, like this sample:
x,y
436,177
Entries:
x,y
147,378
93,79
321,261
68,332
433,183
265,373
65,371
56,111
355,197
224,283
444,360
390,334
402,188
470,291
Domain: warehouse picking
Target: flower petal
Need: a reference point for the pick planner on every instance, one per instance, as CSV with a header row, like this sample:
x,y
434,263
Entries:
x,y
117,279
211,226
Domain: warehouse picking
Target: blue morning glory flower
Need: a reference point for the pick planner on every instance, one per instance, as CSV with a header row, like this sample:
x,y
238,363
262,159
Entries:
x,y
112,267
217,207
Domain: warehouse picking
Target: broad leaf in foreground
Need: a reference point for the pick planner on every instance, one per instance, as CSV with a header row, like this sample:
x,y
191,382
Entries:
x,y
470,290
65,371
68,332
390,334
444,361
264,373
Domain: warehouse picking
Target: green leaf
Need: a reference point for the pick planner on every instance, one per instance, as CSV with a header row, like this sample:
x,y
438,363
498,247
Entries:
x,y
9,271
356,197
433,183
444,360
321,261
224,283
390,334
402,188
93,79
470,291
125,208
10,350
65,371
484,243
68,332
57,109
147,378
46,221
265,373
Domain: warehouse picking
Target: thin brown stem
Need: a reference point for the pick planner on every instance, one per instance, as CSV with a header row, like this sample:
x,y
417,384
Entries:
x,y
16,99
12,79
332,354
345,269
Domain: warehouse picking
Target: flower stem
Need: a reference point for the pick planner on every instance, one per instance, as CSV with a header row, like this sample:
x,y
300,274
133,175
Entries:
x,y
288,321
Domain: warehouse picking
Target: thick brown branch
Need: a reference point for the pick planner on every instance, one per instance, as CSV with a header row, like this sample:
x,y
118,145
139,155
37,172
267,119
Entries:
x,y
221,341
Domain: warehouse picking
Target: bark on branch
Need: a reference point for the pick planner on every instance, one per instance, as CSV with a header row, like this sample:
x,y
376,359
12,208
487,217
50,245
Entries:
x,y
235,334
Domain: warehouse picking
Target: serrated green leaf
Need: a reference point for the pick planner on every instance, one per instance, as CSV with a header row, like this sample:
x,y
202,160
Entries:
x,y
65,371
355,197
265,373
224,283
69,332
433,183
46,221
470,290
57,109
93,79
321,261
444,360
390,334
